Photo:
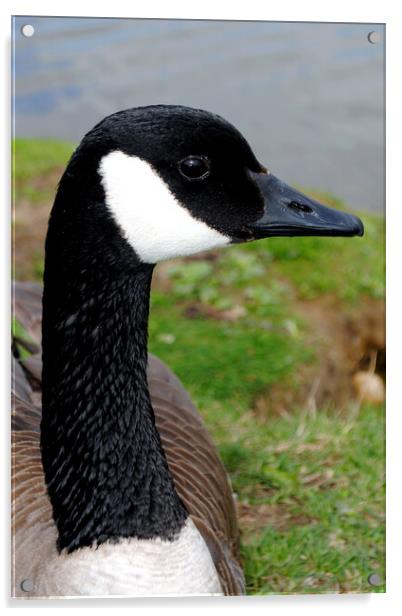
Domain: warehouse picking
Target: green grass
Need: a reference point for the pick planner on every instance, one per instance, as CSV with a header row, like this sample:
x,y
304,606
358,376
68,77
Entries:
x,y
220,360
19,332
346,268
310,486
34,161
322,475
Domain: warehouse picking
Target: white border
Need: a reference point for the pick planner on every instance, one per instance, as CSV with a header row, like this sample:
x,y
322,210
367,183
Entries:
x,y
308,10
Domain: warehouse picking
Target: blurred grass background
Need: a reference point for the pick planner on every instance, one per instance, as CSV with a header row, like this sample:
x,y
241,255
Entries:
x,y
270,338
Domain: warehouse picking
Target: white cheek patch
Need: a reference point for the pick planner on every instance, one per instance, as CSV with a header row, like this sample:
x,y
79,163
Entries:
x,y
156,225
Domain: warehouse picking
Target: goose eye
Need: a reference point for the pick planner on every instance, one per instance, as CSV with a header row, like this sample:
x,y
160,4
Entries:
x,y
194,167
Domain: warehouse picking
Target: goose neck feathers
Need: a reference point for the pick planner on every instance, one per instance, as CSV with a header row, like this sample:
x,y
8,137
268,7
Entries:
x,y
105,468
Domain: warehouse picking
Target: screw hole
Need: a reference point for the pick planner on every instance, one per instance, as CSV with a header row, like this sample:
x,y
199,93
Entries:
x,y
373,37
374,579
27,585
27,30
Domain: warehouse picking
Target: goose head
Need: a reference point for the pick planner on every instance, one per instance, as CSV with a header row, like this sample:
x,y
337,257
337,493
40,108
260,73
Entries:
x,y
173,181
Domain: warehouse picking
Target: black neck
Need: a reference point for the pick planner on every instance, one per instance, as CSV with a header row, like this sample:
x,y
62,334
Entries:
x,y
105,469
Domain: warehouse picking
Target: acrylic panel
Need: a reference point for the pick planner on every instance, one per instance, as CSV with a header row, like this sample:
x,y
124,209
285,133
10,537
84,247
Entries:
x,y
198,346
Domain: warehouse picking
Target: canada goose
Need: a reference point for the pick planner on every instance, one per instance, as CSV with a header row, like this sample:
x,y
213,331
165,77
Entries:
x,y
98,508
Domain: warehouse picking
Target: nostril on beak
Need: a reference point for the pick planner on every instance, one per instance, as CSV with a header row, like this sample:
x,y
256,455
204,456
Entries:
x,y
301,207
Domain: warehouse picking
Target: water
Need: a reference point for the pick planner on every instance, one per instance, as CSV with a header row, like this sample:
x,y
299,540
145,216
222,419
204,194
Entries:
x,y
308,97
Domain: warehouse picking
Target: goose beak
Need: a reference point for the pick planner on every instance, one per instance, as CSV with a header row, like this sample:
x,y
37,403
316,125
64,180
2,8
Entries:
x,y
288,212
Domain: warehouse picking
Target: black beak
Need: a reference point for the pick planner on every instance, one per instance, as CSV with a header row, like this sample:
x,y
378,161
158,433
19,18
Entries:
x,y
289,212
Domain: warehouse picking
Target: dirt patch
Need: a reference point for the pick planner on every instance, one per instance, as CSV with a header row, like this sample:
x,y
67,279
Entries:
x,y
258,517
29,239
345,344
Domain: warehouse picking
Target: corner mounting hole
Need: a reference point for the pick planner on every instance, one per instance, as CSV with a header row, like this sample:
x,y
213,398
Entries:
x,y
27,30
374,579
302,207
27,585
374,37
